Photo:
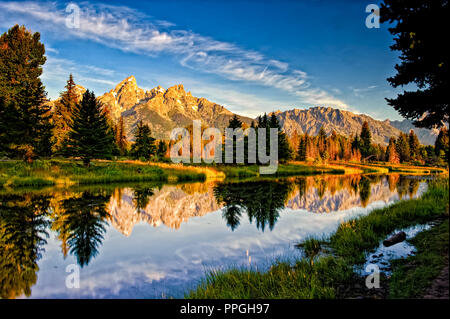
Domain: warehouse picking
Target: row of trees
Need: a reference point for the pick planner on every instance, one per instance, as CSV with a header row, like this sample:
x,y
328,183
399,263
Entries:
x,y
285,152
404,148
30,127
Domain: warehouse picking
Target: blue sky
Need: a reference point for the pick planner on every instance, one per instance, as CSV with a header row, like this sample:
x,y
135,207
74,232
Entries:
x,y
250,56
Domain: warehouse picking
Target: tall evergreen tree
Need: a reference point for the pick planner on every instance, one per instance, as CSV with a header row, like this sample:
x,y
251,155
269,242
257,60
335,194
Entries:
x,y
322,141
441,146
21,61
284,149
90,136
402,147
121,138
366,140
417,30
301,153
62,116
391,152
414,145
144,146
356,143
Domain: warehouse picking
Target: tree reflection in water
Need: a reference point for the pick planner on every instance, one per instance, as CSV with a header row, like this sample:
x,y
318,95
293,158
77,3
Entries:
x,y
23,233
80,218
84,223
141,197
261,201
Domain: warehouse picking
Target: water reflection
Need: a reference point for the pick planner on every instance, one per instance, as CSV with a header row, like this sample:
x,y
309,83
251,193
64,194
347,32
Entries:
x,y
79,220
261,201
81,224
23,233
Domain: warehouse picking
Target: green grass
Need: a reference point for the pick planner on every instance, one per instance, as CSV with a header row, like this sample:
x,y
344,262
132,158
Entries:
x,y
68,172
411,276
304,280
353,239
284,170
321,277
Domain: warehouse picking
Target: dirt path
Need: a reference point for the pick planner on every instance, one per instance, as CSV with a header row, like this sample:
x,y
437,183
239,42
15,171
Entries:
x,y
439,287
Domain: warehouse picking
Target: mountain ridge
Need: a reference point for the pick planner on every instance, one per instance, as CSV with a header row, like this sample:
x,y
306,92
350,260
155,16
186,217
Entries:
x,y
164,109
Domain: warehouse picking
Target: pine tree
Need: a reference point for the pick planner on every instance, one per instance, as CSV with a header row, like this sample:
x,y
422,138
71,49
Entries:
x,y
90,136
62,116
356,143
144,146
301,153
402,147
162,149
120,137
417,29
21,60
441,146
321,141
235,122
366,141
414,145
391,152
284,149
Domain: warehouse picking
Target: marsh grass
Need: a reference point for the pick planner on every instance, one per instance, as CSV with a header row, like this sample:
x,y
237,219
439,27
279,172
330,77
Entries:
x,y
71,172
322,277
283,170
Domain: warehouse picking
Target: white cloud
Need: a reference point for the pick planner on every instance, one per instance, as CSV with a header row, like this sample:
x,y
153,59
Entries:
x,y
129,30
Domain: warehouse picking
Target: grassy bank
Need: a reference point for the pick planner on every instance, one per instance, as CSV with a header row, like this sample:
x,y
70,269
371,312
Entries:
x,y
65,172
323,275
283,170
413,275
70,172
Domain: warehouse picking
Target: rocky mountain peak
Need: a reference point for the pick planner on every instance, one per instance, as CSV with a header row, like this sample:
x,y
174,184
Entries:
x,y
162,109
125,95
129,82
176,90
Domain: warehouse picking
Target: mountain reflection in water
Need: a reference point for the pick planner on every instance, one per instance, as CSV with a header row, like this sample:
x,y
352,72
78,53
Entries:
x,y
80,221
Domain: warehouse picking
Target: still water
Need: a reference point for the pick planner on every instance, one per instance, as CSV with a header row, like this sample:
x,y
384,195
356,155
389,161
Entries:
x,y
157,241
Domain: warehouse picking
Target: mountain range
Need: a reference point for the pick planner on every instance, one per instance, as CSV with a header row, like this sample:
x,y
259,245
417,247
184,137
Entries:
x,y
164,109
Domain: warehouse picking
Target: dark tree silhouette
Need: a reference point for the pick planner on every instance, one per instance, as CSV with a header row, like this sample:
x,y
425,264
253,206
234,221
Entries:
x,y
85,217
442,144
260,200
425,59
23,233
141,197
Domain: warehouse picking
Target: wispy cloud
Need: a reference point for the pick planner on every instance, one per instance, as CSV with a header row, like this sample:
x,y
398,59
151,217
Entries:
x,y
131,31
359,92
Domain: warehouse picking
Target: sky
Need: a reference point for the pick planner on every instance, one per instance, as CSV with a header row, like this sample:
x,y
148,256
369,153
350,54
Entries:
x,y
250,56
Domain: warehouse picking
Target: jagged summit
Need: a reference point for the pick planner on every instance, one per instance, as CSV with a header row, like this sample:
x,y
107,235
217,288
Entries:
x,y
163,109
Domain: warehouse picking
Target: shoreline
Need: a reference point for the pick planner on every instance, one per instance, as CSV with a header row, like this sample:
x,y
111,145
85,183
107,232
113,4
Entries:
x,y
67,172
328,275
